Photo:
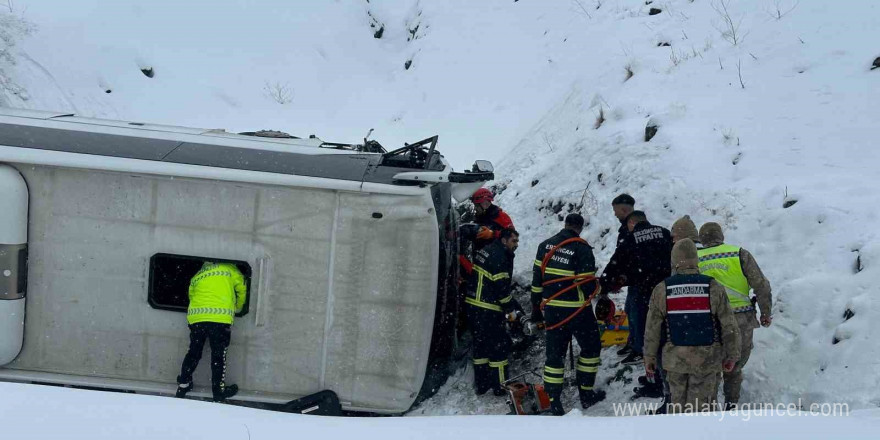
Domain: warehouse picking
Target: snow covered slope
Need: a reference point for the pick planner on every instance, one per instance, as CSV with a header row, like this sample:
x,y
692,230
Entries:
x,y
784,111
477,73
785,160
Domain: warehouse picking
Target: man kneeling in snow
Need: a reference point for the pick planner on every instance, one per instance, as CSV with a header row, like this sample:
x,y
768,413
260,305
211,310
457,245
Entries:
x,y
701,332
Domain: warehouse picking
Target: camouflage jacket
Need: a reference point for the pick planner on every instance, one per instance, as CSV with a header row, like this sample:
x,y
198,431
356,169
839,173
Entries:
x,y
692,360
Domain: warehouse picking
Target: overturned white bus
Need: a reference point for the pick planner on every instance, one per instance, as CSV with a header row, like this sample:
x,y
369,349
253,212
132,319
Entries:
x,y
349,253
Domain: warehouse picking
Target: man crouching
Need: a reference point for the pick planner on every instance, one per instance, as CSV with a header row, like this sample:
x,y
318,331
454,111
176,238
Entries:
x,y
701,335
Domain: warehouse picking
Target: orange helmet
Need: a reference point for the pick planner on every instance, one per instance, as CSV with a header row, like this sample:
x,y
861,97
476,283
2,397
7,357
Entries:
x,y
482,195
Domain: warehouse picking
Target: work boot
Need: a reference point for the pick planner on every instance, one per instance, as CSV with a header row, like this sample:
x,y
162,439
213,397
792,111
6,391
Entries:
x,y
591,397
643,380
649,390
729,406
481,389
556,408
625,350
226,392
633,359
182,389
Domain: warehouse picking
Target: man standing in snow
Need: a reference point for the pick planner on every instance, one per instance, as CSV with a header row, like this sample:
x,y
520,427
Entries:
x,y
736,269
216,293
562,281
613,277
643,262
489,302
683,228
692,309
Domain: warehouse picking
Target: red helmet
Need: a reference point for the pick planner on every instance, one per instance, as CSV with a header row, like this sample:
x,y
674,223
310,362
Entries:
x,y
482,195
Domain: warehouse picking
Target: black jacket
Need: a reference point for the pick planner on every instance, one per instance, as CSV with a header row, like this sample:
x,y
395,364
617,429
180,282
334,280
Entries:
x,y
489,282
572,259
643,259
612,276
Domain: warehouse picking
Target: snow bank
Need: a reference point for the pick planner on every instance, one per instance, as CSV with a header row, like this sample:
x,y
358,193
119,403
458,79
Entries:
x,y
39,412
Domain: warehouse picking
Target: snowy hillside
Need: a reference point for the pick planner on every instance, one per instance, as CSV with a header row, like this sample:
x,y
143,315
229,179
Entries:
x,y
765,114
476,73
785,161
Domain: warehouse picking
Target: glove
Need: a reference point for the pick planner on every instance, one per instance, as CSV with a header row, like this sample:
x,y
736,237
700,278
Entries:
x,y
485,233
766,320
728,366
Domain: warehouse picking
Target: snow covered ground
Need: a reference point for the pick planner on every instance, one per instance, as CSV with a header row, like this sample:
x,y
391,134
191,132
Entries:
x,y
39,412
559,92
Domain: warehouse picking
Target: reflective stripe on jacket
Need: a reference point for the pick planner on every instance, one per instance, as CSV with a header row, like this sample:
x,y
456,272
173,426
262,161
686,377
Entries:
x,y
489,283
216,293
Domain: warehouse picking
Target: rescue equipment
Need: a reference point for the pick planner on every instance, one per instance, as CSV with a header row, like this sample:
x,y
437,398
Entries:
x,y
578,280
524,398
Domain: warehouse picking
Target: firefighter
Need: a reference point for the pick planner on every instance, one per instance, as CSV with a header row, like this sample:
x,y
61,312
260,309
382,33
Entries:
x,y
736,269
216,293
643,260
567,311
489,304
622,205
692,309
491,219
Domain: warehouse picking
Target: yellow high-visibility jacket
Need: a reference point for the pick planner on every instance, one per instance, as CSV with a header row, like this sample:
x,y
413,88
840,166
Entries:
x,y
216,293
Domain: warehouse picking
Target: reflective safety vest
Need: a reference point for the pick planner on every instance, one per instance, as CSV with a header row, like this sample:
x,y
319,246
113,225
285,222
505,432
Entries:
x,y
689,319
216,293
722,263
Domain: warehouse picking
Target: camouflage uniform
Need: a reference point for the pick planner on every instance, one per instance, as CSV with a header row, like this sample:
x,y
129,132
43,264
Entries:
x,y
685,228
711,236
691,369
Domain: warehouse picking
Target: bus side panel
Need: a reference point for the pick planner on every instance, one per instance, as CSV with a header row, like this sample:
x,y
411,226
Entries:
x,y
93,234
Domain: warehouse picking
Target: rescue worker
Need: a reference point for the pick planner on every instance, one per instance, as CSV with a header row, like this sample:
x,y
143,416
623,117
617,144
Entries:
x,y
622,205
702,334
643,261
567,312
685,228
490,221
489,304
216,293
736,269
682,228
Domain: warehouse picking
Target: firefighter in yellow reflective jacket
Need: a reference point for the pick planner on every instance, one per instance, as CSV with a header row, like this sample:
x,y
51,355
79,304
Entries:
x,y
216,293
489,303
736,269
